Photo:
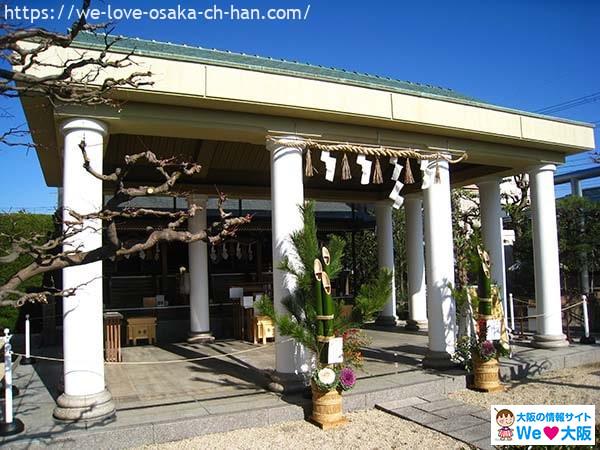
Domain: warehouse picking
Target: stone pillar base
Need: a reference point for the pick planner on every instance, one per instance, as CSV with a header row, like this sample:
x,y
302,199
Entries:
x,y
386,321
74,408
416,325
287,383
438,361
550,341
201,338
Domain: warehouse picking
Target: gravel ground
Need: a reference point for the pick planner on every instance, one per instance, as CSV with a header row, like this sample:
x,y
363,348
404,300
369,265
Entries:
x,y
575,386
375,429
372,429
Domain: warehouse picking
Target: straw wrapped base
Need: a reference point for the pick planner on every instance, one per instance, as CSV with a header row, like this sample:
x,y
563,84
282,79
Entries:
x,y
327,410
486,377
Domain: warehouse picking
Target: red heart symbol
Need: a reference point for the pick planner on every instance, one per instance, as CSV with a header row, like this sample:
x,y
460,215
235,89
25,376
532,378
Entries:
x,y
551,432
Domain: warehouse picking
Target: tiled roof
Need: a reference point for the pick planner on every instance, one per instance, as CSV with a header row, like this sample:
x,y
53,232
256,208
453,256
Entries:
x,y
263,64
182,52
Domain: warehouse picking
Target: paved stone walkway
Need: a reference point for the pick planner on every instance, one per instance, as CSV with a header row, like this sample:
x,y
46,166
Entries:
x,y
466,423
214,396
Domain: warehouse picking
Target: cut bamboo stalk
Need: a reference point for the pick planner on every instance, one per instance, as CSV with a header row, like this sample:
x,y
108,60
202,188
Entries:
x,y
328,309
318,269
326,257
327,303
484,288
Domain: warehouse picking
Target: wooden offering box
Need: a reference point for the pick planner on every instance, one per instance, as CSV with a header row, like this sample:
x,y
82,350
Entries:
x,y
263,329
141,328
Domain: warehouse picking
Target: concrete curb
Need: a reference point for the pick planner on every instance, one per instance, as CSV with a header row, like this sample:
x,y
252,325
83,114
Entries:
x,y
522,367
156,432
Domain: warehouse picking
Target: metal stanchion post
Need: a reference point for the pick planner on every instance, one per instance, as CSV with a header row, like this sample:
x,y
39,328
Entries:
x,y
27,360
586,338
15,390
10,425
512,312
568,313
523,314
505,311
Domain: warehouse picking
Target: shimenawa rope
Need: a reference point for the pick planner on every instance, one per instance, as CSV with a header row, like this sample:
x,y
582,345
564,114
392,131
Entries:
x,y
311,144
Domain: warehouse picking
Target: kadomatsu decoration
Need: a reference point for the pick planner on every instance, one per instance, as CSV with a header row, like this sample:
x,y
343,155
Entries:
x,y
314,319
480,349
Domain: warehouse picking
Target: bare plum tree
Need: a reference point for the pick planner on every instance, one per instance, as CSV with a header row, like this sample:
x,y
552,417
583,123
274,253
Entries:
x,y
82,80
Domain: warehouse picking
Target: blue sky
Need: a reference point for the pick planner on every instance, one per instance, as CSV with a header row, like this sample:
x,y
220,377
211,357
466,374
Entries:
x,y
521,54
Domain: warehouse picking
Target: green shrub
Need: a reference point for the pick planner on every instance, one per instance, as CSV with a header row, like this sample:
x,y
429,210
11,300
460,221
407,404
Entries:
x,y
8,318
26,225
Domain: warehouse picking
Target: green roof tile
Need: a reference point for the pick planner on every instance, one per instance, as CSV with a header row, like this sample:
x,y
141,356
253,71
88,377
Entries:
x,y
182,52
264,64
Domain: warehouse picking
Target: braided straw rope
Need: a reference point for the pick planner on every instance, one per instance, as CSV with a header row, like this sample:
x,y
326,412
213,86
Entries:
x,y
366,150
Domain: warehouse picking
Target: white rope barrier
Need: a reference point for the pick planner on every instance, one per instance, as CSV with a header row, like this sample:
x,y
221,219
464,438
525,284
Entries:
x,y
524,302
586,325
544,315
141,308
46,358
171,361
264,347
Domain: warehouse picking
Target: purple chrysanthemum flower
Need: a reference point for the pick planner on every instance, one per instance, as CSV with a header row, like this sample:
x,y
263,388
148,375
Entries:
x,y
487,348
347,378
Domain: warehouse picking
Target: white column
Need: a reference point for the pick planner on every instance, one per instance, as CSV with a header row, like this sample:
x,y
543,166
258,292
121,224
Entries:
x,y
491,229
85,395
385,258
287,194
545,258
198,269
417,301
441,309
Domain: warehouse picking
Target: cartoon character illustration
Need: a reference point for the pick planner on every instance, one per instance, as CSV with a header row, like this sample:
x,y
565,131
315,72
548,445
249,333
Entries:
x,y
505,418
